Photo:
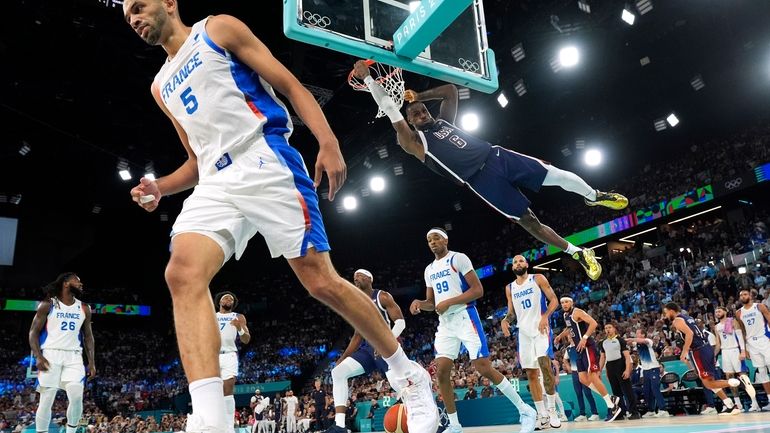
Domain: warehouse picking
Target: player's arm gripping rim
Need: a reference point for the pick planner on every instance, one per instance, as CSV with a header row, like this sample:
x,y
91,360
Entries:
x,y
687,333
34,334
88,342
505,324
553,301
429,304
233,35
475,291
581,315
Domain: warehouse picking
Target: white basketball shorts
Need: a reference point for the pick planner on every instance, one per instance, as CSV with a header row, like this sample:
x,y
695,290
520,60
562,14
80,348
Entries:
x,y
731,361
462,327
228,365
531,348
759,351
64,366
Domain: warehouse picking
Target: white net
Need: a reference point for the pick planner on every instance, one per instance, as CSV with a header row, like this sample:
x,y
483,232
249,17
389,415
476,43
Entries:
x,y
389,77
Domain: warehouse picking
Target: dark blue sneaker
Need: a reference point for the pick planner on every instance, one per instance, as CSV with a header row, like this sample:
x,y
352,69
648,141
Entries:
x,y
615,410
336,429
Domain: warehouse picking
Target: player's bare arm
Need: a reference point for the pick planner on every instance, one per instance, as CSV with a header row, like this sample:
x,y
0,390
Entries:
x,y
233,35
448,95
394,312
582,316
563,334
553,301
505,324
353,345
243,329
429,304
34,334
88,342
765,312
475,291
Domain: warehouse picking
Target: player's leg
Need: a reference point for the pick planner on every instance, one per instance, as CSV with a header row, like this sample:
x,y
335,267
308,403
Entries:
x,y
43,413
195,259
702,360
74,404
571,182
316,273
578,388
544,363
228,385
348,368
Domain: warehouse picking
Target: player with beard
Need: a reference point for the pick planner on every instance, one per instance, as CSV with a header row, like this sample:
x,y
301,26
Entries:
x,y
494,173
581,327
732,344
698,352
232,326
533,301
359,357
756,320
55,339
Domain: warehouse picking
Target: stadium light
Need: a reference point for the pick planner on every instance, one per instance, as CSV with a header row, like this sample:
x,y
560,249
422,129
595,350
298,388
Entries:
x,y
502,100
569,56
628,17
672,120
377,184
470,122
350,203
593,157
125,174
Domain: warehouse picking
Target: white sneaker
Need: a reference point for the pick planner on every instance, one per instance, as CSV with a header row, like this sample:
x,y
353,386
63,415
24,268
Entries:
x,y
563,417
709,411
454,428
195,424
649,414
662,414
748,386
755,408
766,408
554,420
734,383
417,395
594,417
543,422
527,418
731,411
580,418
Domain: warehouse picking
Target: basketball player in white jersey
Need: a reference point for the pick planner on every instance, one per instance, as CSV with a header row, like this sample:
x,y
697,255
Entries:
x,y
216,87
731,343
452,288
580,327
533,301
493,173
291,402
232,326
359,357
55,340
756,320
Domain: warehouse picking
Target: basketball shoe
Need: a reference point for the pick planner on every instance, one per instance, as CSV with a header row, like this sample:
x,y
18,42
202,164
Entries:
x,y
417,395
611,200
587,260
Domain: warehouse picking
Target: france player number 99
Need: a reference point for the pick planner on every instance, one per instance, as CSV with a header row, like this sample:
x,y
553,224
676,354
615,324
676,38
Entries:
x,y
442,287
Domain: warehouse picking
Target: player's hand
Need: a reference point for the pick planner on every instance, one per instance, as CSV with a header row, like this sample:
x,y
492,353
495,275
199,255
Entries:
x,y
410,96
415,307
91,371
626,374
361,69
683,358
330,161
146,187
443,306
581,345
41,363
237,323
506,326
543,325
742,355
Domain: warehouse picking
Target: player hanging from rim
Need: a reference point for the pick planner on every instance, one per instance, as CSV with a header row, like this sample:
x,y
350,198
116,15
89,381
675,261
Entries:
x,y
532,300
359,357
580,327
232,325
494,173
698,352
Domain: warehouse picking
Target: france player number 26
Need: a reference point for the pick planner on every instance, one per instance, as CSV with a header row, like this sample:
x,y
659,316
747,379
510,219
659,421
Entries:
x,y
189,100
67,326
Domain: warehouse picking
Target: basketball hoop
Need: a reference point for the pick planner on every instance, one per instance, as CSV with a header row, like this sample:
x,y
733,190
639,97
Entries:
x,y
389,77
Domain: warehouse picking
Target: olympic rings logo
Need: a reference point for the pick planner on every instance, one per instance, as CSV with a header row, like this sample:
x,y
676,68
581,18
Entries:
x,y
735,183
317,20
468,65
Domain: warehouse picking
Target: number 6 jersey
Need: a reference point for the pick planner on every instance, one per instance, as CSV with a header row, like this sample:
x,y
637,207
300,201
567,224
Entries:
x,y
452,152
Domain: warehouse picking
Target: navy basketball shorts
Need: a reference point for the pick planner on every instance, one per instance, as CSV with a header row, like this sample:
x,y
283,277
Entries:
x,y
500,179
588,359
365,356
703,360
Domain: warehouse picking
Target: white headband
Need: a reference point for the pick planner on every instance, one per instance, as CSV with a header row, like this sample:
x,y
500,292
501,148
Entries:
x,y
364,272
438,232
566,298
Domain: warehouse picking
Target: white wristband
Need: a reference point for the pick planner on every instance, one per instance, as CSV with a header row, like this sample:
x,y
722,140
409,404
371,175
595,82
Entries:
x,y
241,331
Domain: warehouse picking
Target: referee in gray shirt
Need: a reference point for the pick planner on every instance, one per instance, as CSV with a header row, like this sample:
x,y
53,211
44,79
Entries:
x,y
616,356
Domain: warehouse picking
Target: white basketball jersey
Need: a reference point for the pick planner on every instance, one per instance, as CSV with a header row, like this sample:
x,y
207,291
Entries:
x,y
62,328
446,277
728,341
529,304
291,405
220,102
227,332
754,321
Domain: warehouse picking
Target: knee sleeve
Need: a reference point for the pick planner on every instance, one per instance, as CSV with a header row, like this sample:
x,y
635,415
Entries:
x,y
43,414
348,368
762,376
74,402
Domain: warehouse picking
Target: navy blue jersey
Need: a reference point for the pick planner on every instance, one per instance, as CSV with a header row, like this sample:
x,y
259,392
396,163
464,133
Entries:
x,y
375,296
452,152
576,329
698,338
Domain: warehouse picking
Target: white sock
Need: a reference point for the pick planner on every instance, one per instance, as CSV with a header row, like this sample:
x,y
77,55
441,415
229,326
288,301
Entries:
x,y
608,400
540,406
551,399
453,419
571,249
507,390
230,413
569,181
208,401
71,429
339,419
560,404
399,363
